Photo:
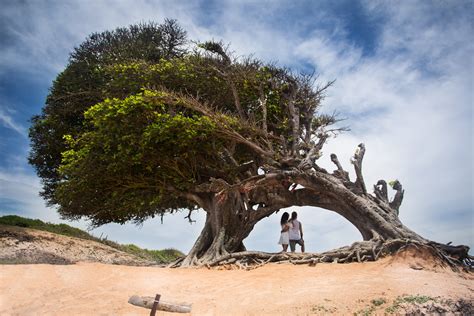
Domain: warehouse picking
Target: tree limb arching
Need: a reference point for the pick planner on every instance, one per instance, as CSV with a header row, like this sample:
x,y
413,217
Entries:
x,y
379,225
137,126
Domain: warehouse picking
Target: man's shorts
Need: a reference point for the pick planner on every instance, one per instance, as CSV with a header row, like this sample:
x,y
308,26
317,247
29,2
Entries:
x,y
294,242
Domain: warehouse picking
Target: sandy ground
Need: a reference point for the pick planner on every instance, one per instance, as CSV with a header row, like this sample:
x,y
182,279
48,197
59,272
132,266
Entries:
x,y
275,289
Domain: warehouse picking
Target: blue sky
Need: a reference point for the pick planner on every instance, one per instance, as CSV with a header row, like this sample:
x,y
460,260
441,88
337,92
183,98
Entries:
x,y
404,75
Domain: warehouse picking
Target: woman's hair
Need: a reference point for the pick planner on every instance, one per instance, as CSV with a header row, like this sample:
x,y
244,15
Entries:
x,y
284,218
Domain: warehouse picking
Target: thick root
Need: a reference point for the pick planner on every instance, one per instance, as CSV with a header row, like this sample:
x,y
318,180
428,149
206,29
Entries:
x,y
456,257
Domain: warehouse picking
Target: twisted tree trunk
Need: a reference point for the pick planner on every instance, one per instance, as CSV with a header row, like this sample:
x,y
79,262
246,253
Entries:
x,y
233,210
227,224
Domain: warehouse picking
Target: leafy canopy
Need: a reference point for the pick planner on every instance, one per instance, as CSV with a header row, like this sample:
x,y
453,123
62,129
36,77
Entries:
x,y
135,123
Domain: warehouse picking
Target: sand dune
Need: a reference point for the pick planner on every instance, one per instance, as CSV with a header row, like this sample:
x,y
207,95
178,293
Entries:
x,y
276,289
24,245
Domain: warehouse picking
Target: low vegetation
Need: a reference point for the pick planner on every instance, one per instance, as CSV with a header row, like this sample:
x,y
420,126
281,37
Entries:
x,y
160,256
398,305
410,299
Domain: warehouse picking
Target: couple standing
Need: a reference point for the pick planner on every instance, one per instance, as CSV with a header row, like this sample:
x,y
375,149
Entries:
x,y
291,232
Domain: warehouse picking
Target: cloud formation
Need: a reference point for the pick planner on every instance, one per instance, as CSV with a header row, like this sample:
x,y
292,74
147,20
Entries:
x,y
6,120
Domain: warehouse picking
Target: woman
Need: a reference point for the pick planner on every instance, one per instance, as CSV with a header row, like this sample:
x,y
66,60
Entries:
x,y
285,227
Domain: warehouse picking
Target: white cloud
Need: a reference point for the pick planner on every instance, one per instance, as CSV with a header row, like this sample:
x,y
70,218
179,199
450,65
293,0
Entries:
x,y
41,44
413,110
7,121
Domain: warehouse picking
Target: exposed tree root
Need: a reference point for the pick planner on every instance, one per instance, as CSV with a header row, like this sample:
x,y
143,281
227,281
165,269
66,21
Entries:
x,y
455,257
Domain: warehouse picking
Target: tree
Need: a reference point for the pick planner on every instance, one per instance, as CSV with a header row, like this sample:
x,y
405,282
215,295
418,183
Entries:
x,y
136,127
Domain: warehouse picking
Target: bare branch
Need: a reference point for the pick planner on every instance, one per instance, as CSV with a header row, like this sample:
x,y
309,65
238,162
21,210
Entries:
x,y
294,117
235,94
380,190
398,198
357,162
263,104
340,172
189,217
314,154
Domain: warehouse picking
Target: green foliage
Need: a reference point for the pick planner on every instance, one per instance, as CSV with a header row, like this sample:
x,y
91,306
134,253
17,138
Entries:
x,y
407,299
379,301
323,310
369,310
61,229
119,170
159,256
82,85
135,122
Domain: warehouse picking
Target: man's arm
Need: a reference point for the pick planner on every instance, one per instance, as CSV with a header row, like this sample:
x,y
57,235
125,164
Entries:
x,y
301,230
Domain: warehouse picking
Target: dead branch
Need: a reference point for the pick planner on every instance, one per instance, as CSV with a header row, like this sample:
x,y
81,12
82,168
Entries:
x,y
189,217
398,198
263,104
315,152
380,190
357,162
340,172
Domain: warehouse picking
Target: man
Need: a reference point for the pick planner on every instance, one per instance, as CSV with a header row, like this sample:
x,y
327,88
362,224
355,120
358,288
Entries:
x,y
296,233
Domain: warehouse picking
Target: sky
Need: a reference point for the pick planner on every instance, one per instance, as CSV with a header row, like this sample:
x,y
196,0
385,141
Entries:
x,y
404,83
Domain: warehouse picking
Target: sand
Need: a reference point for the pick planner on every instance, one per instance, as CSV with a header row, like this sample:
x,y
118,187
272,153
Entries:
x,y
275,289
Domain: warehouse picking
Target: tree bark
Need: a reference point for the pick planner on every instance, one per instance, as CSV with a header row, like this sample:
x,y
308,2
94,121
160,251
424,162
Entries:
x,y
232,212
228,223
230,217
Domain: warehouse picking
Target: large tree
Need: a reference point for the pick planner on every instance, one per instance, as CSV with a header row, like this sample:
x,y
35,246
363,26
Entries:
x,y
138,126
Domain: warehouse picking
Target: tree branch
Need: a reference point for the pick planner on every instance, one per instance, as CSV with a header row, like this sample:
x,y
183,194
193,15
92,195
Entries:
x,y
295,118
189,217
340,172
235,94
263,104
220,120
357,162
380,190
309,161
398,198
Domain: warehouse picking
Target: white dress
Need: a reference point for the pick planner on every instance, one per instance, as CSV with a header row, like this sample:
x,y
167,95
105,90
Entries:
x,y
285,236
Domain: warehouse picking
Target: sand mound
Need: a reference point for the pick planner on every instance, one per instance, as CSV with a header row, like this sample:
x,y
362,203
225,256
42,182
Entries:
x,y
418,258
24,245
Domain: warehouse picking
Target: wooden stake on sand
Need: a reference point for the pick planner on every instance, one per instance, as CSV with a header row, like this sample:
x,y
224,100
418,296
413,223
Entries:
x,y
149,302
155,305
